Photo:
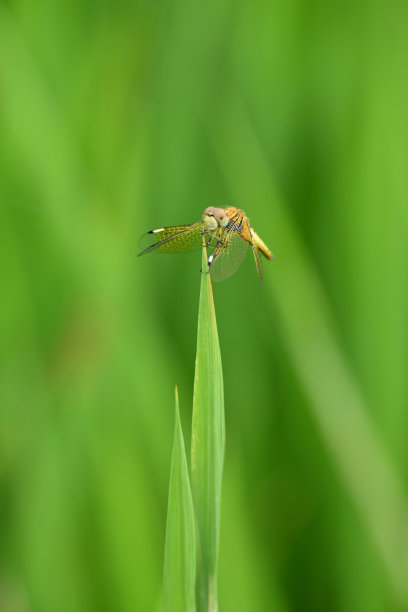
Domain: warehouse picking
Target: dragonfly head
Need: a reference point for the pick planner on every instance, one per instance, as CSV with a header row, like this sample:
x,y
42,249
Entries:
x,y
214,217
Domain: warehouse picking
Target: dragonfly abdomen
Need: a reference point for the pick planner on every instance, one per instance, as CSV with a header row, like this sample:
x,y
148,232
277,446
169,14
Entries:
x,y
260,245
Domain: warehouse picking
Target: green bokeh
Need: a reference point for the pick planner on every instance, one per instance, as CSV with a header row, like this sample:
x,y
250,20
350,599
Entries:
x,y
119,117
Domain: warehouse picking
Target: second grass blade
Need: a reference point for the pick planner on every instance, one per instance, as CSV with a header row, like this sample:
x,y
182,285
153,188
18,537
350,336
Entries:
x,y
208,441
180,554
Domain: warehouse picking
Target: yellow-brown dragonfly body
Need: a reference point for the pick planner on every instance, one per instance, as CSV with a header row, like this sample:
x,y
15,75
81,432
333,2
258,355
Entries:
x,y
227,233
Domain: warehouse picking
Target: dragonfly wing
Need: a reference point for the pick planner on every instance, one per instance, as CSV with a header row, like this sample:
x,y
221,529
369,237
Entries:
x,y
258,262
176,239
229,256
251,237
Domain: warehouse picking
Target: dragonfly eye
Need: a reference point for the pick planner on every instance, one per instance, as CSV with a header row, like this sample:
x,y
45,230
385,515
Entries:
x,y
210,222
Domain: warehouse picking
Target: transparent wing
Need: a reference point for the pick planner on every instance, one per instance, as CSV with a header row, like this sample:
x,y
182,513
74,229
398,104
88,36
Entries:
x,y
176,239
251,237
229,256
257,257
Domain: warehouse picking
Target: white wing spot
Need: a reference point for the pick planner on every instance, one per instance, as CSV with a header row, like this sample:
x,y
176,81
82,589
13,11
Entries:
x,y
210,259
157,231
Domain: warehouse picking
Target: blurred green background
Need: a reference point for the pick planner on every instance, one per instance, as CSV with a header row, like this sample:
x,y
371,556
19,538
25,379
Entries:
x,y
119,117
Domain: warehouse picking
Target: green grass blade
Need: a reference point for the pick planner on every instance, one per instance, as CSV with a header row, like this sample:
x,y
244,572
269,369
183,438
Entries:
x,y
208,441
179,554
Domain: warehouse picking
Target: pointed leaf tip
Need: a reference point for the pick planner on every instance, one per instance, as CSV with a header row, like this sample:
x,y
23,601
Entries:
x,y
179,555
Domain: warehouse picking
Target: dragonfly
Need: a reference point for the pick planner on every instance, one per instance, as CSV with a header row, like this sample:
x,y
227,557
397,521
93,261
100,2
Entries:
x,y
226,232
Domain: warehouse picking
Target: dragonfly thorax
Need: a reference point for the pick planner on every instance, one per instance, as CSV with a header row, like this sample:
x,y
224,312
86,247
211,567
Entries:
x,y
214,217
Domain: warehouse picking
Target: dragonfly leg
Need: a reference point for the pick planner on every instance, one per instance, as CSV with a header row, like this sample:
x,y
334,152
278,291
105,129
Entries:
x,y
212,236
216,247
214,255
215,252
